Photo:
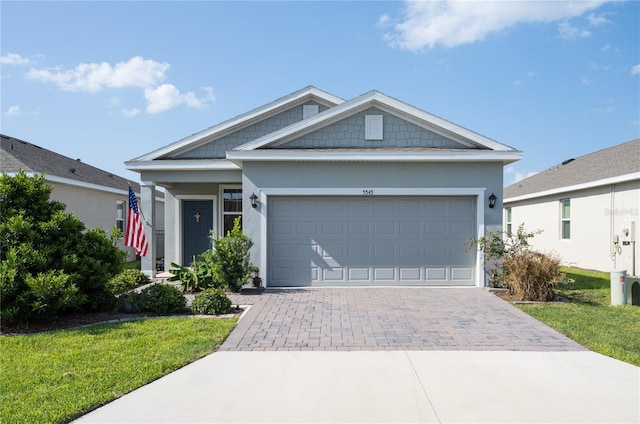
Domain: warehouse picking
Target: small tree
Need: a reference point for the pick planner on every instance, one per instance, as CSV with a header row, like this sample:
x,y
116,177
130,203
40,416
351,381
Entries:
x,y
528,275
231,258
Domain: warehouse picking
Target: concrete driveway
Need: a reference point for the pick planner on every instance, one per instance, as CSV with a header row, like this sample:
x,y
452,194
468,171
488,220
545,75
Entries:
x,y
387,355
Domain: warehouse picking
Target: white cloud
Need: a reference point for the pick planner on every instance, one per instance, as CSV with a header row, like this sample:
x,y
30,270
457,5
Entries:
x,y
16,110
597,20
383,20
14,59
130,113
635,70
517,175
571,32
93,77
137,72
453,23
167,96
585,81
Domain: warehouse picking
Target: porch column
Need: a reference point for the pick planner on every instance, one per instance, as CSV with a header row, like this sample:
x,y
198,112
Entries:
x,y
148,203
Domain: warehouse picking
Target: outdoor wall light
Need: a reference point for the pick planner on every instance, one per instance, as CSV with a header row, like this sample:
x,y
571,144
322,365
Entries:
x,y
492,200
254,200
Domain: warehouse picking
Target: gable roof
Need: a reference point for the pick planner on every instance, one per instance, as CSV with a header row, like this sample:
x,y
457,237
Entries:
x,y
246,119
18,154
381,101
475,147
607,166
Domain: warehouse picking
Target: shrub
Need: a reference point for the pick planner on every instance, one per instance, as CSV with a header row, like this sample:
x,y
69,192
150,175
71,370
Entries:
x,y
127,280
41,246
211,302
162,299
232,262
528,275
533,275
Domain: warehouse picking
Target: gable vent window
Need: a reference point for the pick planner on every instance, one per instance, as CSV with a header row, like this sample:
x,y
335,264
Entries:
x,y
309,110
373,127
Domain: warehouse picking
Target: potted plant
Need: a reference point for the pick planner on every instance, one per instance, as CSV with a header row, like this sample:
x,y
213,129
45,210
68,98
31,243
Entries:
x,y
255,277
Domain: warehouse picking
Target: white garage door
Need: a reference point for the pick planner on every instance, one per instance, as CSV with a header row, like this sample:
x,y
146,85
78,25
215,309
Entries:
x,y
323,241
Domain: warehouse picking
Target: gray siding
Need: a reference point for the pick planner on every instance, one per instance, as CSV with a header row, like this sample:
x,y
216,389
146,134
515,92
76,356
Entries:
x,y
350,133
217,148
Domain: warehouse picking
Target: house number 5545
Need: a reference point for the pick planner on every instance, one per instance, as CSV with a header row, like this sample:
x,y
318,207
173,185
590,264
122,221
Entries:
x,y
367,192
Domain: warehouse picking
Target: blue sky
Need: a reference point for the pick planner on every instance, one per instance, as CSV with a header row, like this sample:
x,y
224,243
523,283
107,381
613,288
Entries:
x,y
109,81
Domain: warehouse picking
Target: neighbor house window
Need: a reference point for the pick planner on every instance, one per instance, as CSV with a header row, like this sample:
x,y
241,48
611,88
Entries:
x,y
565,218
231,208
120,215
508,220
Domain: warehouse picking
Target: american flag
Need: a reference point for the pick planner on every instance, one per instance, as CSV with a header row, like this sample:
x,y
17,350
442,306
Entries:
x,y
134,235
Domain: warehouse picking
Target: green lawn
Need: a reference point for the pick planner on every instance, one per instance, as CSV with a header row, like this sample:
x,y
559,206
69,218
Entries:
x,y
57,376
590,320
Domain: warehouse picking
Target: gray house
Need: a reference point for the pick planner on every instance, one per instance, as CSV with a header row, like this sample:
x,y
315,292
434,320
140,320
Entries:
x,y
369,191
97,197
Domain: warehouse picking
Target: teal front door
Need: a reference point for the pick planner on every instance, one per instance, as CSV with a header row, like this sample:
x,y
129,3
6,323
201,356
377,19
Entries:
x,y
197,222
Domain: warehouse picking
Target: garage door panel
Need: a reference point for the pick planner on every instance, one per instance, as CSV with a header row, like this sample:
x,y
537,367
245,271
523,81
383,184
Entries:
x,y
359,274
390,240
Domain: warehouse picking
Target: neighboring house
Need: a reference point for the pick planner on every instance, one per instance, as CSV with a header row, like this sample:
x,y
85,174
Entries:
x,y
587,208
370,191
98,198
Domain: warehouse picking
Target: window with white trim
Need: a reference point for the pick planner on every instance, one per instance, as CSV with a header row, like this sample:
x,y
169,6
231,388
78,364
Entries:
x,y
231,208
565,219
120,215
507,220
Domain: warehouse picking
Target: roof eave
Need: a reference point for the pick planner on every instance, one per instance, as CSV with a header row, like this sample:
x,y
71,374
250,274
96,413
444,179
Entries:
x,y
243,119
239,156
180,165
591,184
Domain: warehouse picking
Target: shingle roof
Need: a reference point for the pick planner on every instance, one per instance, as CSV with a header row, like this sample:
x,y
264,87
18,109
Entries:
x,y
611,162
18,154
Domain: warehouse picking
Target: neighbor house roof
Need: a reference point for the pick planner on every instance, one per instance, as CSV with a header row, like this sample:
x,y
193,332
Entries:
x,y
18,154
608,166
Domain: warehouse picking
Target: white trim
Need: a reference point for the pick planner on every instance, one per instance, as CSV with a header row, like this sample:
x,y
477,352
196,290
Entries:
x,y
244,120
479,193
182,165
576,187
220,206
178,222
376,99
374,156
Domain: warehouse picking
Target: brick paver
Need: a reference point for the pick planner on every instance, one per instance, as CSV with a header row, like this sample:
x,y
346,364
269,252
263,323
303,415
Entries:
x,y
336,319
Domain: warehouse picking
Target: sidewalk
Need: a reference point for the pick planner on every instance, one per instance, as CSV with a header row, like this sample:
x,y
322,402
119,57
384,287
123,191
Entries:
x,y
387,387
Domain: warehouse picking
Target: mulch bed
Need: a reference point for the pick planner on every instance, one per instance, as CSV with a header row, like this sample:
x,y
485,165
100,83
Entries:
x,y
70,321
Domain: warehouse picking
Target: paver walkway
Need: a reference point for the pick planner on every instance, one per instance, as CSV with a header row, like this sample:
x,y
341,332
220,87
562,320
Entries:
x,y
349,319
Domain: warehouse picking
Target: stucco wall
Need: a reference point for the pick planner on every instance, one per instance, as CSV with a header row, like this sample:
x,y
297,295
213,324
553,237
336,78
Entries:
x,y
364,176
596,215
97,209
